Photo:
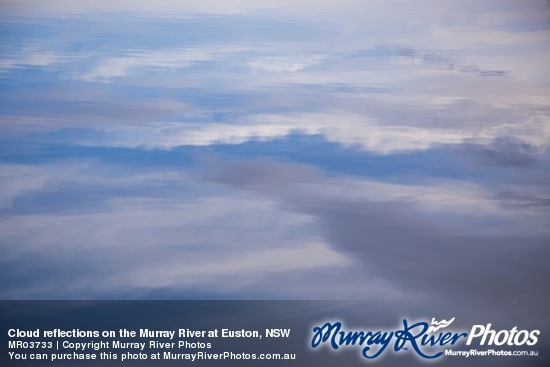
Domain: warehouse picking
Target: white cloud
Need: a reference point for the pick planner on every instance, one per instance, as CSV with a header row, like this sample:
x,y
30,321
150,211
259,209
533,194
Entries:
x,y
259,264
123,65
170,8
284,64
18,180
32,57
351,130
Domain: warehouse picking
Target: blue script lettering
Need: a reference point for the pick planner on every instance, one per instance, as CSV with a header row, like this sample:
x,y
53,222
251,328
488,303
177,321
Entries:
x,y
339,338
414,335
405,335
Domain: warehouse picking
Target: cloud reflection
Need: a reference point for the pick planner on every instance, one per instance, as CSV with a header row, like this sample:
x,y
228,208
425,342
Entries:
x,y
290,149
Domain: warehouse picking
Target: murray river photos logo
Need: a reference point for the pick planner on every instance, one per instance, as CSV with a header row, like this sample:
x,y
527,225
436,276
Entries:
x,y
427,340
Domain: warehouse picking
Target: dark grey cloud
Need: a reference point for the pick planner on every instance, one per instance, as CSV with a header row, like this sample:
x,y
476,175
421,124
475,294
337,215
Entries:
x,y
259,173
395,241
445,59
503,151
522,199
